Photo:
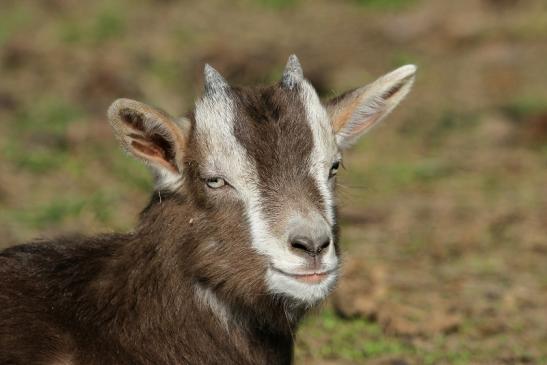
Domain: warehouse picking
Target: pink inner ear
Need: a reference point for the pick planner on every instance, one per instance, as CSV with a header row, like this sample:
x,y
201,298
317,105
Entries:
x,y
146,143
345,114
364,126
147,149
151,152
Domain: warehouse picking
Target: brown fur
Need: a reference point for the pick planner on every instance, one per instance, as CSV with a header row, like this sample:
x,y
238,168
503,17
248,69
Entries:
x,y
130,298
267,118
186,286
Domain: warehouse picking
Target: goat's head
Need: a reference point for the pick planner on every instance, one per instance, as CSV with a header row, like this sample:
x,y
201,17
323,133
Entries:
x,y
261,164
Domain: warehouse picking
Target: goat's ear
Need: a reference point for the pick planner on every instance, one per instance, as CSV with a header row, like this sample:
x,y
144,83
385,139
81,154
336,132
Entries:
x,y
152,136
356,112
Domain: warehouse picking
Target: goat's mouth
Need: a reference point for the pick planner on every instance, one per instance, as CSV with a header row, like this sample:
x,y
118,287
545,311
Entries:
x,y
315,277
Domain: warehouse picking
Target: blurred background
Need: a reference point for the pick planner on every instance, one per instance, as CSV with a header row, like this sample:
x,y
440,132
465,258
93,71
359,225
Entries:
x,y
444,207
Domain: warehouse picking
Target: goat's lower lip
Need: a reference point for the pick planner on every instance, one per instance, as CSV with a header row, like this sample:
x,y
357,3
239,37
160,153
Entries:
x,y
313,278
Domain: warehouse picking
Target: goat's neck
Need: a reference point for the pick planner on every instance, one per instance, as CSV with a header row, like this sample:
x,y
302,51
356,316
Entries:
x,y
171,301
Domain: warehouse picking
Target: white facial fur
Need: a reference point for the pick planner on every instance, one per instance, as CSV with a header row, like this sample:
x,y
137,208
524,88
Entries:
x,y
334,128
324,153
227,158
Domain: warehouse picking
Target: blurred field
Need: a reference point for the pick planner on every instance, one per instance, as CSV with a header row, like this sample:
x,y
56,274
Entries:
x,y
444,207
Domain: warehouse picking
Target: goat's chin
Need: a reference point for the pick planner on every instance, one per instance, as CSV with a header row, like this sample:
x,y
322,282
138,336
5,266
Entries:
x,y
308,293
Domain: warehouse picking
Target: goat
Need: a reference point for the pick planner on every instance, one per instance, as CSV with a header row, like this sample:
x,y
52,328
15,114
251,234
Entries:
x,y
238,242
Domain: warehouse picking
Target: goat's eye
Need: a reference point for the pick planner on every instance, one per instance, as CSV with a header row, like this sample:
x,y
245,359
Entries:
x,y
215,182
334,169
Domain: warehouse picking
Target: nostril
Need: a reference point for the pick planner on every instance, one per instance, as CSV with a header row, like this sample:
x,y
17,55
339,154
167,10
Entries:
x,y
324,245
308,246
302,244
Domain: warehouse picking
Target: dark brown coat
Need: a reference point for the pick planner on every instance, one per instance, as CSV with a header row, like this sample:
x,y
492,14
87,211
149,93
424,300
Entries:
x,y
195,283
127,299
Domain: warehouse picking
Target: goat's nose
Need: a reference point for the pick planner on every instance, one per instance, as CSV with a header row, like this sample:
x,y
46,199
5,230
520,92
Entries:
x,y
308,246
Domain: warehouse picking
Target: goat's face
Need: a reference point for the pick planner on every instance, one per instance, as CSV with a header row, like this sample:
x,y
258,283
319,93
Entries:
x,y
262,164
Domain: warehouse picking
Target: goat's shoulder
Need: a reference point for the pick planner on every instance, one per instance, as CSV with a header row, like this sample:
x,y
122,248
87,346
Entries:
x,y
43,257
41,283
33,272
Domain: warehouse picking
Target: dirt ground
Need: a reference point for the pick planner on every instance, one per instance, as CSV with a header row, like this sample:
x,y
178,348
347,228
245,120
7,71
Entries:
x,y
443,207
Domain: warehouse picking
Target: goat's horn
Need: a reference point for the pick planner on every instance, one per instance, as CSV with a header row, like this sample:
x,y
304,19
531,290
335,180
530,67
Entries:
x,y
213,79
293,72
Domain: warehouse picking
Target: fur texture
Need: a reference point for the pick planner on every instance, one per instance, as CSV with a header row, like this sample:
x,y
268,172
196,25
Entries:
x,y
242,243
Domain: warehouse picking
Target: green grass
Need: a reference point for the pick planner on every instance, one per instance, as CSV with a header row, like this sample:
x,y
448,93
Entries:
x,y
11,20
36,160
417,172
386,4
167,71
276,4
57,211
356,339
390,176
359,340
48,116
107,24
51,213
128,170
462,357
524,106
449,124
38,142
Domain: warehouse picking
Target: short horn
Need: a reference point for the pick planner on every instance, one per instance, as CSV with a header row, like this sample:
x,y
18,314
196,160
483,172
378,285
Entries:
x,y
213,80
293,74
